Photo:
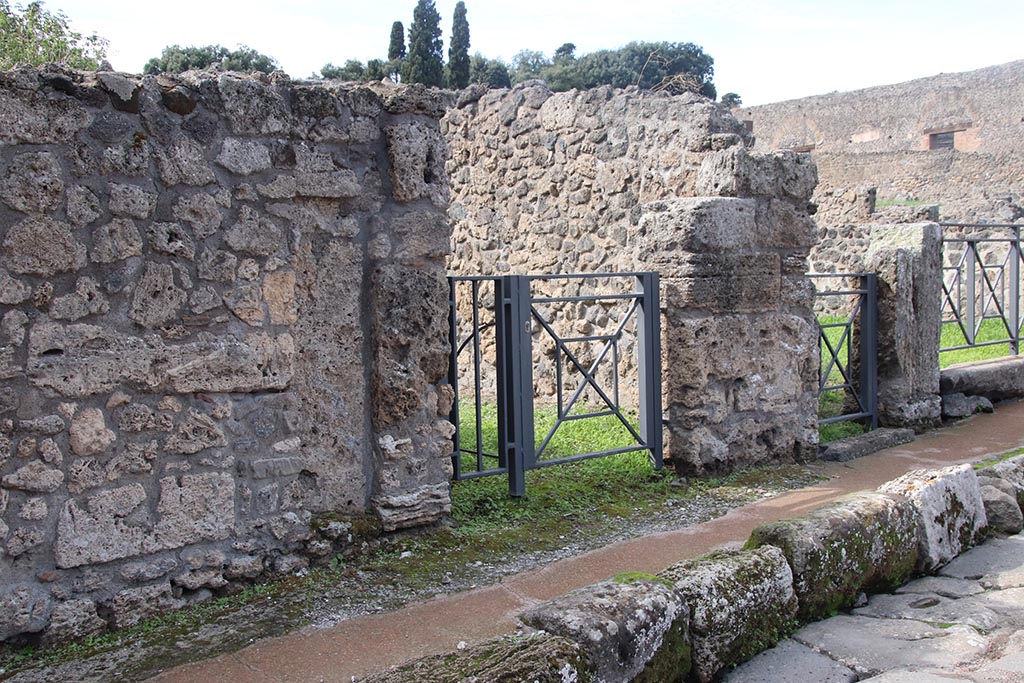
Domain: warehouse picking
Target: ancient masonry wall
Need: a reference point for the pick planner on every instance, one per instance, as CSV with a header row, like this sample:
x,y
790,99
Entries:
x,y
606,180
223,324
878,140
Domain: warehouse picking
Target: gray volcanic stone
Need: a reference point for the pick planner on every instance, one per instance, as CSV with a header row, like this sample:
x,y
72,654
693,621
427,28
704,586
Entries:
x,y
103,530
951,515
184,163
24,608
998,561
244,157
863,444
12,291
933,609
131,200
157,299
42,246
88,434
791,661
740,602
959,405
871,646
865,542
1002,510
35,477
34,183
997,379
71,620
254,234
537,659
117,240
626,628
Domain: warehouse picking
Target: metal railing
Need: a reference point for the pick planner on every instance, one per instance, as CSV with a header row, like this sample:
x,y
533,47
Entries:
x,y
501,316
981,281
848,343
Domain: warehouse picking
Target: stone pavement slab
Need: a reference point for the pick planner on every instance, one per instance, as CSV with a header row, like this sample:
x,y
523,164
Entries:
x,y
946,586
791,662
931,608
872,646
1000,561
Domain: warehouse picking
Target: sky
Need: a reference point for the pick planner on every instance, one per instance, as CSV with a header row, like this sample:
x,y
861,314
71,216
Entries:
x,y
764,50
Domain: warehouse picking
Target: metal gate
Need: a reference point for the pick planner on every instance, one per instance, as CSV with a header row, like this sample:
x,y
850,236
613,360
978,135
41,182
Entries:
x,y
497,324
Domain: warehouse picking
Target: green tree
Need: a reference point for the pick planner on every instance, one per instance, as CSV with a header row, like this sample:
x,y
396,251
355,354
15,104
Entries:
x,y
175,59
490,72
32,35
528,64
674,67
353,70
731,99
396,48
423,62
458,49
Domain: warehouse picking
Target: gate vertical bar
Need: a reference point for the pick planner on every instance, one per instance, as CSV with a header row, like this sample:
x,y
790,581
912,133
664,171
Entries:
x,y
869,347
970,275
1013,307
515,385
453,377
649,347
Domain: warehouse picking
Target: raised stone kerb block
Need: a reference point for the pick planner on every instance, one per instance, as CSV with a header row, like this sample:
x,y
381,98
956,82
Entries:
x,y
741,602
950,512
625,627
537,659
864,542
997,379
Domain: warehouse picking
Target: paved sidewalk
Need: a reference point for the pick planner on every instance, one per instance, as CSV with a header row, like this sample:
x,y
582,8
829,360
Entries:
x,y
370,644
966,624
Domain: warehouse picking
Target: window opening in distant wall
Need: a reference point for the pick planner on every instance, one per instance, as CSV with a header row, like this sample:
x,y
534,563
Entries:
x,y
941,140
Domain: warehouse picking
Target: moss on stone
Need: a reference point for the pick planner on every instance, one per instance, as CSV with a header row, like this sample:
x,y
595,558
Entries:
x,y
636,577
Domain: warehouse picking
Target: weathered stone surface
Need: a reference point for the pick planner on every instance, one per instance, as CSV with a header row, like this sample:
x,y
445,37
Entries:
x,y
105,529
217,265
205,212
423,505
417,153
945,586
537,659
960,405
12,291
695,225
131,606
184,163
254,234
173,239
279,295
157,298
862,543
196,433
1001,510
253,107
243,157
907,259
864,444
624,627
33,183
41,246
193,508
871,646
740,603
246,302
35,477
933,609
791,661
131,200
87,299
71,620
996,379
24,608
83,206
1010,472
89,434
951,516
117,240
998,560
229,364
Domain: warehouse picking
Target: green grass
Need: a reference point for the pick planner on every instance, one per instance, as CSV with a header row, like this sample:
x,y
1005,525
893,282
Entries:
x,y
882,203
831,403
991,330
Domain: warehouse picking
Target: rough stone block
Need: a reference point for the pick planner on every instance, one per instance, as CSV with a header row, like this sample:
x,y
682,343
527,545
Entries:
x,y
244,157
997,379
863,444
1010,471
950,513
193,508
741,602
955,406
24,608
41,246
414,507
417,153
862,543
694,225
736,172
537,659
33,183
625,627
71,620
1001,509
105,529
907,259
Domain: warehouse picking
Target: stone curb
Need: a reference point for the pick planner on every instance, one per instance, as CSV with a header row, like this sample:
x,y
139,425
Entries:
x,y
727,606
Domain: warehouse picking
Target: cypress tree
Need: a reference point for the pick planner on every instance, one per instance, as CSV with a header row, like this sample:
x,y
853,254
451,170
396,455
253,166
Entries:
x,y
458,49
396,48
423,62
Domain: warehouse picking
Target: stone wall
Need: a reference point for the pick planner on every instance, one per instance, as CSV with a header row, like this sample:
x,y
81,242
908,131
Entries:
x,y
607,180
880,138
223,325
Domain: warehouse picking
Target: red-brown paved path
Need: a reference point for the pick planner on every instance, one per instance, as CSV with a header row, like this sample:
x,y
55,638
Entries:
x,y
373,643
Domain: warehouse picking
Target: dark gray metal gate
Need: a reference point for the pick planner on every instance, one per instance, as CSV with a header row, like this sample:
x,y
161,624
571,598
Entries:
x,y
854,373
502,315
